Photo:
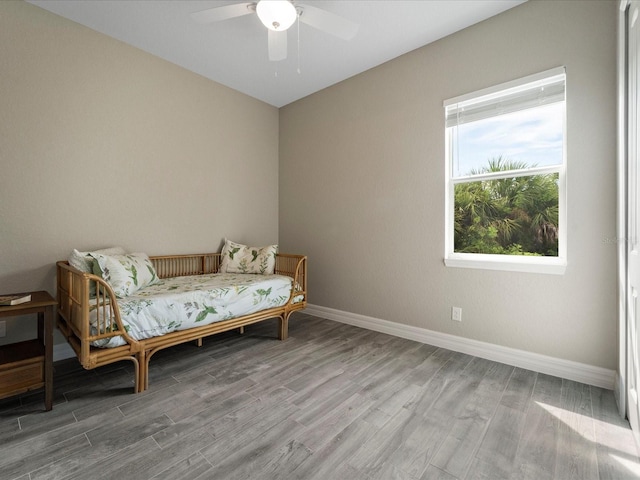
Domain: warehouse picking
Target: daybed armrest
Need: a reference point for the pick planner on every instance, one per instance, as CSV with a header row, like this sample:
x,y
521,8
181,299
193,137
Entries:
x,y
294,266
76,301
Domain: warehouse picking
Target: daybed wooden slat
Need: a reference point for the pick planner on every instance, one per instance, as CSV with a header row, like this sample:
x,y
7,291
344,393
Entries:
x,y
75,301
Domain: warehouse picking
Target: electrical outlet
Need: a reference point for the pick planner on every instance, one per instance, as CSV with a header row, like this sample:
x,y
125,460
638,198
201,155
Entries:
x,y
3,329
456,314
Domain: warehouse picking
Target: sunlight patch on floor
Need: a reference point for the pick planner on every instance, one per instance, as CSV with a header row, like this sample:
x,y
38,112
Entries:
x,y
616,432
633,467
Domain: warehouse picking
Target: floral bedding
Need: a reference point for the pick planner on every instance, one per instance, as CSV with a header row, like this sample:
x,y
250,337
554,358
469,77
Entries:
x,y
180,303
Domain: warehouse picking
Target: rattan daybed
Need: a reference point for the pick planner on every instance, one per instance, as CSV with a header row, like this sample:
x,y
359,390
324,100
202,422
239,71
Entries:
x,y
89,312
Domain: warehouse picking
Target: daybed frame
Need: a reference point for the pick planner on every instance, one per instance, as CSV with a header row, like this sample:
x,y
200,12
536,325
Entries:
x,y
75,302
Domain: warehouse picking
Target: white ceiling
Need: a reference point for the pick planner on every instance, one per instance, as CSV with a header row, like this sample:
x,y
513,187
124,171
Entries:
x,y
234,52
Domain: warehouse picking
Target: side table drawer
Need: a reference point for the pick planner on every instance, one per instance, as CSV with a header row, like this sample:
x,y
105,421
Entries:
x,y
21,367
21,376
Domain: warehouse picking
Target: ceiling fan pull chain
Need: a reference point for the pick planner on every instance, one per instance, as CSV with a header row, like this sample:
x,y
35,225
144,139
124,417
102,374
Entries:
x,y
299,13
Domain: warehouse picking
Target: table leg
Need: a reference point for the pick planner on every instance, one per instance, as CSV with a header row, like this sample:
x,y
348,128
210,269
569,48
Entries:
x,y
48,357
41,333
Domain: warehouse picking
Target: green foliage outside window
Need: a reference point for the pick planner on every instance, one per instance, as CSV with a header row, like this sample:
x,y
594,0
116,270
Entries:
x,y
510,216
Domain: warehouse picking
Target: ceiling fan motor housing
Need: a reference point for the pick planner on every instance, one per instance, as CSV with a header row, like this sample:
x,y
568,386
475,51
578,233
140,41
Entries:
x,y
277,15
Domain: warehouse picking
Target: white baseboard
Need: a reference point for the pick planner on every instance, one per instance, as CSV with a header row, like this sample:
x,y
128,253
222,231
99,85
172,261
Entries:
x,y
579,372
619,392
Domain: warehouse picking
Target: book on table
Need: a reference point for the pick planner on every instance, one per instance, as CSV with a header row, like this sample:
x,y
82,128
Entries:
x,y
14,299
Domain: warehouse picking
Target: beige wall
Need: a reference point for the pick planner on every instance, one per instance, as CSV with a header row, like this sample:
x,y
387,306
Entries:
x,y
102,144
362,187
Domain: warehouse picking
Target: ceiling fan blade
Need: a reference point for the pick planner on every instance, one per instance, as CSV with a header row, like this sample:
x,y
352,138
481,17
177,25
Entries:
x,y
218,14
277,45
328,22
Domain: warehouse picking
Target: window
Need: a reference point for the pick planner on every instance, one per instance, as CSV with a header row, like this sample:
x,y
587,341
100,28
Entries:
x,y
505,190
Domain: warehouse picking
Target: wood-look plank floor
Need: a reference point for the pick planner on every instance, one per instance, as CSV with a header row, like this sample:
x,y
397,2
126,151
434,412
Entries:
x,y
331,402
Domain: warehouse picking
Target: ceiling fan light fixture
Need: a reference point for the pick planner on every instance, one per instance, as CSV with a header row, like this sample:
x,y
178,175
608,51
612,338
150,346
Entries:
x,y
277,15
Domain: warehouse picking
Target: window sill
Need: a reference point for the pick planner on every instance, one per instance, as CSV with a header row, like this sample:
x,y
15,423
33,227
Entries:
x,y
509,263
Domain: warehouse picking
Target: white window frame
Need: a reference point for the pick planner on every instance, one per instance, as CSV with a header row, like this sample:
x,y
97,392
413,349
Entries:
x,y
520,263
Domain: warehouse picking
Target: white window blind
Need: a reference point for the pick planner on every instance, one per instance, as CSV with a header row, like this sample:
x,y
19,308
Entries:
x,y
535,93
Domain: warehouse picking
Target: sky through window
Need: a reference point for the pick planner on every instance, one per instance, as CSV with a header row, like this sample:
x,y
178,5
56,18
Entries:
x,y
533,136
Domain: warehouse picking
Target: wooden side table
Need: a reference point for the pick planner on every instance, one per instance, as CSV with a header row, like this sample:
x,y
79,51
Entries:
x,y
28,365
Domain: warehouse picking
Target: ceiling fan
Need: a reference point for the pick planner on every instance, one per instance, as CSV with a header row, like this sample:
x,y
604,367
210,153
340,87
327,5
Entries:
x,y
278,16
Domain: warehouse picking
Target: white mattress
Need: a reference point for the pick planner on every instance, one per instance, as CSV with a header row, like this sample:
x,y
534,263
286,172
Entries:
x,y
180,303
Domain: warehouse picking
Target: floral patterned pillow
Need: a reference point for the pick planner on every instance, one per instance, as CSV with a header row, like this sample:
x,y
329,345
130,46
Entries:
x,y
238,258
126,274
